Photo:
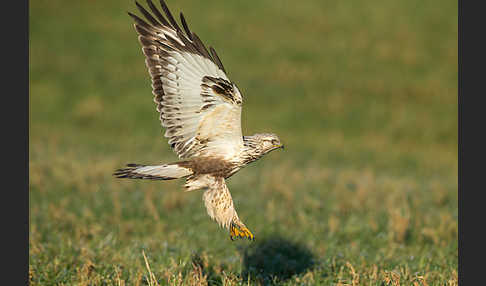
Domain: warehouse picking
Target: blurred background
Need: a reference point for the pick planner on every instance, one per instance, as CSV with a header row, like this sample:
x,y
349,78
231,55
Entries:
x,y
362,93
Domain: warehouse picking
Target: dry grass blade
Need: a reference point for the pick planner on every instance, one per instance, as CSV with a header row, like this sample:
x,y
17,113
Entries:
x,y
151,279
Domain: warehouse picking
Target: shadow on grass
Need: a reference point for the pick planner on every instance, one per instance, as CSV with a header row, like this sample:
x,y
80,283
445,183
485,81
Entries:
x,y
274,260
270,261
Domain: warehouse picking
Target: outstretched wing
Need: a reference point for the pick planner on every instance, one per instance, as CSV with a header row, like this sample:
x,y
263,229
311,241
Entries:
x,y
219,204
199,106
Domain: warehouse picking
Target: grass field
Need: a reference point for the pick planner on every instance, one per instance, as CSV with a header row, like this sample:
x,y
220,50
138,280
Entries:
x,y
362,93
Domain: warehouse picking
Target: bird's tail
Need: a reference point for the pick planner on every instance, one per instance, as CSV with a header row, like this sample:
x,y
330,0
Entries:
x,y
159,172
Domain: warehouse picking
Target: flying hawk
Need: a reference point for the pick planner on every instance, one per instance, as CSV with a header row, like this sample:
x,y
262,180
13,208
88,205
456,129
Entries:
x,y
200,109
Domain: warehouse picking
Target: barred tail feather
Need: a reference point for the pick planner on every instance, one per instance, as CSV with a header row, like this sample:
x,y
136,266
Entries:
x,y
159,172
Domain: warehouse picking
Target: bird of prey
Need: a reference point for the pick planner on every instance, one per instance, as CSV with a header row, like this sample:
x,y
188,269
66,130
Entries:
x,y
200,109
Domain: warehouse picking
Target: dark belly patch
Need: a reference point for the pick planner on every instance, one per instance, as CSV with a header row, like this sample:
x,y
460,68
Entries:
x,y
214,166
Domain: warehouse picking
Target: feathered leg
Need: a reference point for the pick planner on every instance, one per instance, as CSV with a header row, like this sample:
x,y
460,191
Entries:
x,y
219,204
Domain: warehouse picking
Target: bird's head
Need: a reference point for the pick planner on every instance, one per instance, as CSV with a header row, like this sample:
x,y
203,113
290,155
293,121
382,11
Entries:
x,y
263,143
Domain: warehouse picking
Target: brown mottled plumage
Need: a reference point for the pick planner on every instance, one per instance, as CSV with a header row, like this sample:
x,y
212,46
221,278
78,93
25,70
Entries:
x,y
200,109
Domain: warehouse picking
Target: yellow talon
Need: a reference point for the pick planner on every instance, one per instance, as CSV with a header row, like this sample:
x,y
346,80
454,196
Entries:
x,y
240,232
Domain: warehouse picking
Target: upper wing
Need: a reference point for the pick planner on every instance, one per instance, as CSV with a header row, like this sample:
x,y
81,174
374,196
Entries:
x,y
199,106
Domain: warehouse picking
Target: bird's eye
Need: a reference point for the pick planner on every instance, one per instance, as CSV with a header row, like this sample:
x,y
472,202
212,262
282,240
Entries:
x,y
274,142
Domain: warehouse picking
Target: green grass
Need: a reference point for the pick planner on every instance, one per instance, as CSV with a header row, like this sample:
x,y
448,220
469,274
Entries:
x,y
363,95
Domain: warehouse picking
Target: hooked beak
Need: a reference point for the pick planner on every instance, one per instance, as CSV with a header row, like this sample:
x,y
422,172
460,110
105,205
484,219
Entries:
x,y
278,146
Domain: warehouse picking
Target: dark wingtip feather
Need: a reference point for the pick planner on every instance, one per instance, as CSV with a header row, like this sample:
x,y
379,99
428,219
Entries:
x,y
169,16
147,15
200,45
157,13
139,20
186,28
132,15
216,59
